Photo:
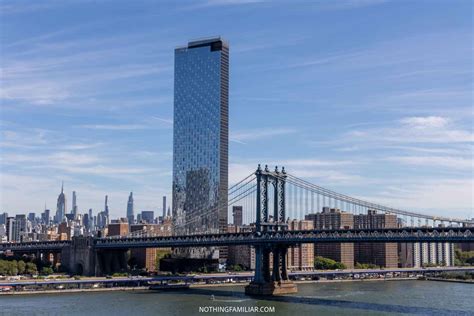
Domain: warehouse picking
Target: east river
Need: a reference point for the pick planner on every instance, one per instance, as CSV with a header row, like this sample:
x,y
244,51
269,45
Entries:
x,y
342,298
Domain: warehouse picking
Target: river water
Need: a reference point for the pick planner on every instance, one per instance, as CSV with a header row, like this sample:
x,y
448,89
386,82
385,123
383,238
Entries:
x,y
342,298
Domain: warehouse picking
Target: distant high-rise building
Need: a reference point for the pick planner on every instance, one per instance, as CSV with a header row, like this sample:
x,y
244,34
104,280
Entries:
x,y
200,138
45,217
237,214
164,207
130,214
106,206
10,227
103,217
3,218
86,222
148,217
74,204
31,216
61,206
19,227
91,226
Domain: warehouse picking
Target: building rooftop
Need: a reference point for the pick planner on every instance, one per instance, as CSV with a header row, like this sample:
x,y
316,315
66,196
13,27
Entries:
x,y
205,41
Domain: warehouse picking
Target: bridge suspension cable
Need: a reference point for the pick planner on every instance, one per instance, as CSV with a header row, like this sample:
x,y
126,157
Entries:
x,y
358,203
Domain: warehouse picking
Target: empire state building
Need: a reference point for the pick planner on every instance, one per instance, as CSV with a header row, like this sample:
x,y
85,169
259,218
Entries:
x,y
61,206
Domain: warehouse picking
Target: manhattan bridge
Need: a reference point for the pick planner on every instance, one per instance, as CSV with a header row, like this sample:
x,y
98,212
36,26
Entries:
x,y
269,198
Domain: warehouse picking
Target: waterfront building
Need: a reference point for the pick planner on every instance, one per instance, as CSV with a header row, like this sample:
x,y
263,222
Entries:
x,y
417,255
380,254
145,258
61,206
130,213
200,138
237,214
3,233
243,255
301,257
333,218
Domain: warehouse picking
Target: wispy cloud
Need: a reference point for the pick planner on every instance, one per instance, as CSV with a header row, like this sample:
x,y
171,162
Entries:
x,y
165,120
255,134
430,129
220,3
116,127
453,196
425,122
449,162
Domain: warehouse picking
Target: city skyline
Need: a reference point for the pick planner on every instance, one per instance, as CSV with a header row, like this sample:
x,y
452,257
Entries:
x,y
404,139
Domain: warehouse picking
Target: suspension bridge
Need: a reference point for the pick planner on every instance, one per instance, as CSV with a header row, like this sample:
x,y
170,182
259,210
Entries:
x,y
269,199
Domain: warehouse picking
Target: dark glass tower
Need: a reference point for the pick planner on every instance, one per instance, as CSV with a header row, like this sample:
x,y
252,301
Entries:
x,y
201,137
130,214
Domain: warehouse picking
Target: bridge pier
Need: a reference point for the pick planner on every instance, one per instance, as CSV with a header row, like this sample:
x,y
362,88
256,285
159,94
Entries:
x,y
276,282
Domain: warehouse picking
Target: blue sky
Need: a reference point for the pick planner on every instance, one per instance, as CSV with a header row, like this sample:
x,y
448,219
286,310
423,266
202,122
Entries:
x,y
370,98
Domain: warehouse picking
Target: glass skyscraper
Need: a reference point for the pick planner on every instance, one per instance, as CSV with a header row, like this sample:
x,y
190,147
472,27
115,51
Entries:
x,y
201,137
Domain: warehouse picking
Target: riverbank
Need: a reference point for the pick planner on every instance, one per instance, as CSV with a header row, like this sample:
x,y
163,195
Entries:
x,y
69,291
450,280
196,285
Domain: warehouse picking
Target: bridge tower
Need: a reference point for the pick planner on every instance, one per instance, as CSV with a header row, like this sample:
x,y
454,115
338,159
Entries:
x,y
270,281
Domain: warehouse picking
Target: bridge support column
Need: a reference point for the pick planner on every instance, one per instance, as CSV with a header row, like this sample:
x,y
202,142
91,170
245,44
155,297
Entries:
x,y
278,283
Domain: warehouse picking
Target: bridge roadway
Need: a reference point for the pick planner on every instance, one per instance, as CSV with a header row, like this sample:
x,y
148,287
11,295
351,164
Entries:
x,y
288,237
243,276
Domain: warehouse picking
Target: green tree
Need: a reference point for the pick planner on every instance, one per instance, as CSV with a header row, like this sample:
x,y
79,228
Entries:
x,y
21,267
321,263
12,267
236,268
31,268
3,267
463,258
366,266
47,271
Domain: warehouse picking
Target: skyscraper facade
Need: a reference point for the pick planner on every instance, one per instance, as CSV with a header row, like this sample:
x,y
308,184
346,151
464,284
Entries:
x,y
200,138
164,207
61,206
3,218
74,204
130,214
